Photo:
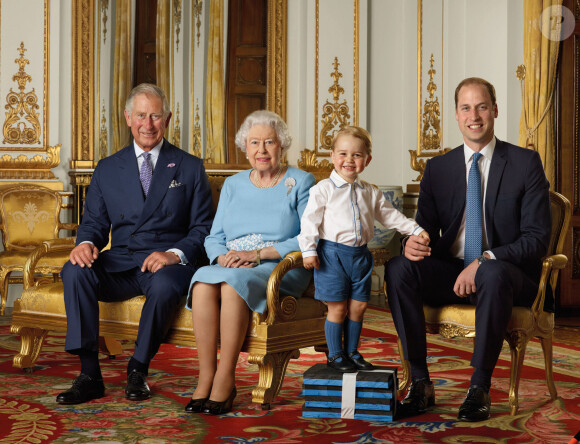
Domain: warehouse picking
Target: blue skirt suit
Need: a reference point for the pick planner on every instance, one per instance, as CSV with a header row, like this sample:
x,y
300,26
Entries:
x,y
249,218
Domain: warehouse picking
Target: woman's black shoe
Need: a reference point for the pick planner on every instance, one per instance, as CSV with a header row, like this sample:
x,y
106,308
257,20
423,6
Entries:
x,y
220,407
195,405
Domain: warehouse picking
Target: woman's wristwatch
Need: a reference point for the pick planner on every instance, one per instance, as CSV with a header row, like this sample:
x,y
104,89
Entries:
x,y
258,261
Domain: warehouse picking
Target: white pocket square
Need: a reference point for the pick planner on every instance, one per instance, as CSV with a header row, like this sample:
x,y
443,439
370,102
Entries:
x,y
175,184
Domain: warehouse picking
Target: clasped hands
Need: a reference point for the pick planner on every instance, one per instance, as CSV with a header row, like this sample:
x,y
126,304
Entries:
x,y
417,248
86,253
238,259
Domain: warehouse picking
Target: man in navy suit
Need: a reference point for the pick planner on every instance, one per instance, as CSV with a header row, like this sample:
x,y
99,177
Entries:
x,y
514,230
153,201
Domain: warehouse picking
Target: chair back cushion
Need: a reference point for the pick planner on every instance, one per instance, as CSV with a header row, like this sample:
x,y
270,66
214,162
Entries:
x,y
30,215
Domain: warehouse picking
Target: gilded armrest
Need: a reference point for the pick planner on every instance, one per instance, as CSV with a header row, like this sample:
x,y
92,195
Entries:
x,y
68,226
64,244
550,269
276,308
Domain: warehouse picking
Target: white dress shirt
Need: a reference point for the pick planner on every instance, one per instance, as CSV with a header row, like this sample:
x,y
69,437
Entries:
x,y
458,247
154,155
342,212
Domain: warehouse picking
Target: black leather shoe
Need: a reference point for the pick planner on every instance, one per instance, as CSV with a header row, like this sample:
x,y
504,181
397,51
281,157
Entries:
x,y
196,405
220,407
345,365
476,405
359,361
84,389
137,388
421,395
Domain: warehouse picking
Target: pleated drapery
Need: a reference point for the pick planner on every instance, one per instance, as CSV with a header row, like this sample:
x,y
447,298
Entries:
x,y
540,60
122,70
214,114
163,51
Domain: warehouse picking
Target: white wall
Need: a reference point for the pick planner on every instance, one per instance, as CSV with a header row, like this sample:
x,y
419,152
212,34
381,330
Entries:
x,y
479,39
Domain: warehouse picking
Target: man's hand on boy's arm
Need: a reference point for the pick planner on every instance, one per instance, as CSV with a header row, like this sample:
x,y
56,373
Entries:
x,y
416,248
311,262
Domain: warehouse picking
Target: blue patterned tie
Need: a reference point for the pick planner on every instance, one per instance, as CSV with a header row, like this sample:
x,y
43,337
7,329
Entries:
x,y
146,173
473,213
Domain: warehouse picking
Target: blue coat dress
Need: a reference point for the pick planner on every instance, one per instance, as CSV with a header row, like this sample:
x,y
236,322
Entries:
x,y
248,218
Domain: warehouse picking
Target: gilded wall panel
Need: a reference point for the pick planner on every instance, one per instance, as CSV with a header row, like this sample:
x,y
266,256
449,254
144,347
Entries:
x,y
336,77
24,91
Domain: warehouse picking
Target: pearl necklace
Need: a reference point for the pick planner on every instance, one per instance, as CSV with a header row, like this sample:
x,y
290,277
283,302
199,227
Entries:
x,y
271,184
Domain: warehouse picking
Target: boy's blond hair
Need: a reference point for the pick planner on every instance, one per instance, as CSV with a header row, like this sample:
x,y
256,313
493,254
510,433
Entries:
x,y
355,131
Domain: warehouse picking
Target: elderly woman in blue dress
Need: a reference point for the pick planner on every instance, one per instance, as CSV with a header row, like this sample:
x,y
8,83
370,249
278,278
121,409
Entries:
x,y
256,224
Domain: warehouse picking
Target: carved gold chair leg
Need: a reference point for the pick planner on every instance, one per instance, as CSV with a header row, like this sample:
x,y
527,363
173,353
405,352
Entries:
x,y
272,367
517,343
547,348
4,281
31,340
406,373
110,346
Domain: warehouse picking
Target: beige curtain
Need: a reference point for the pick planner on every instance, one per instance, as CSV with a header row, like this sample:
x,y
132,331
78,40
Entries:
x,y
214,98
540,60
122,70
163,51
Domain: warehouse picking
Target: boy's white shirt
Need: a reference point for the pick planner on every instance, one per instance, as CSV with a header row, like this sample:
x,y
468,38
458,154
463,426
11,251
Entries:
x,y
341,212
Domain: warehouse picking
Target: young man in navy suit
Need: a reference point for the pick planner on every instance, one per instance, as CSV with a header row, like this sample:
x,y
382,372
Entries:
x,y
512,222
153,201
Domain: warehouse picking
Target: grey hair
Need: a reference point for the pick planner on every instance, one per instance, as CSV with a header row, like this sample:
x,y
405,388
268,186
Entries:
x,y
264,117
149,90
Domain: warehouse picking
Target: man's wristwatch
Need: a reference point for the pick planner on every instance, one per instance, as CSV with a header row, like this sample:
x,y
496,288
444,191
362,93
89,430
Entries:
x,y
481,259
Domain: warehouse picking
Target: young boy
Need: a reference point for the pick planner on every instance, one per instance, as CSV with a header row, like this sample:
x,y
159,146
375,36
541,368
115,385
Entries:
x,y
339,217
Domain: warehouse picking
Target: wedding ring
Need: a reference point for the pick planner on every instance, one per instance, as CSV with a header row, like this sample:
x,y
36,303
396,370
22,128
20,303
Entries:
x,y
237,258
163,264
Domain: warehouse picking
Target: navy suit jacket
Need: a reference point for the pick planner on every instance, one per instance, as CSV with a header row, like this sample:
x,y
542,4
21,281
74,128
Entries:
x,y
517,205
176,214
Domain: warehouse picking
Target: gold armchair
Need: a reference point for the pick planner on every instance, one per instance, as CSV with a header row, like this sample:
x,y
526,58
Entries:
x,y
29,214
525,323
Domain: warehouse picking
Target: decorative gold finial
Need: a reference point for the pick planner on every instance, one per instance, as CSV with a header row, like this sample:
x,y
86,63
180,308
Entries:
x,y
103,136
104,7
521,72
335,114
177,21
431,135
176,128
197,132
21,108
197,10
431,128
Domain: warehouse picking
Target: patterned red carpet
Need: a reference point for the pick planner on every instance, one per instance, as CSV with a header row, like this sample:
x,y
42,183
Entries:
x,y
29,413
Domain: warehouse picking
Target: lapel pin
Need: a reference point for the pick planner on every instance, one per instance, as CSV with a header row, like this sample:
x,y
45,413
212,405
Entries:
x,y
171,165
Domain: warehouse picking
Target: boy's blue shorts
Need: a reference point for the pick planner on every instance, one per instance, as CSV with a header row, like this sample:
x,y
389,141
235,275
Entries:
x,y
345,272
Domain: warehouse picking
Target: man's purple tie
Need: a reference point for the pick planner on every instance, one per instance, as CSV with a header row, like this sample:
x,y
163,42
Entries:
x,y
146,173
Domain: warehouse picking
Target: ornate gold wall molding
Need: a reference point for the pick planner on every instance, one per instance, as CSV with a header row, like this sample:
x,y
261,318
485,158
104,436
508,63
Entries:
x,y
277,46
197,10
177,21
83,30
335,116
196,148
177,128
22,107
428,114
24,167
103,135
104,8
